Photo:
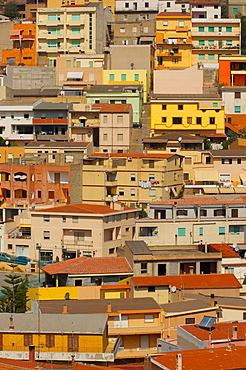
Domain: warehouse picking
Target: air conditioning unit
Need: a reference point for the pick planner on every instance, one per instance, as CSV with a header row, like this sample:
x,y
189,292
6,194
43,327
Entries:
x,y
129,159
38,244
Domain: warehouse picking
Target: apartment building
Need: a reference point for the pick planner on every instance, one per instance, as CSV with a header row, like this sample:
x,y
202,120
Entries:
x,y
235,8
134,22
70,230
134,179
212,38
232,70
193,220
71,29
234,99
198,9
107,126
188,113
173,40
118,94
23,37
79,70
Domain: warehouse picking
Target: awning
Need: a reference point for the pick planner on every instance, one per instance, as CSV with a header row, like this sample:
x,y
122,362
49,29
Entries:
x,y
174,191
210,190
226,190
243,177
25,225
75,75
240,190
206,176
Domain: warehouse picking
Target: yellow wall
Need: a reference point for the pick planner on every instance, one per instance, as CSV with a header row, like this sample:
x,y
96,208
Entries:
x,y
16,152
143,79
160,295
190,109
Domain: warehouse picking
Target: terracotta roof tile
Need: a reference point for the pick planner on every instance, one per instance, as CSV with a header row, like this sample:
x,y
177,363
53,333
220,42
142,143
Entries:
x,y
201,200
82,208
6,363
90,266
209,359
225,249
190,281
220,331
174,14
132,155
122,108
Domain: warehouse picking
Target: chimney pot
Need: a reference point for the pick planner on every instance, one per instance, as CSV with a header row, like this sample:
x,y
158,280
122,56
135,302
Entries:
x,y
64,309
212,302
32,353
179,361
109,307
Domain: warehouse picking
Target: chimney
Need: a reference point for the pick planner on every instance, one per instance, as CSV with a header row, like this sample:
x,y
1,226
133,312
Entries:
x,y
206,248
64,309
209,340
179,362
109,307
32,353
234,332
191,270
212,302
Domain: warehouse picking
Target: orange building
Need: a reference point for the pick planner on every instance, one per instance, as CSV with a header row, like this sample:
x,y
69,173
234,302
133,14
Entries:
x,y
232,70
24,45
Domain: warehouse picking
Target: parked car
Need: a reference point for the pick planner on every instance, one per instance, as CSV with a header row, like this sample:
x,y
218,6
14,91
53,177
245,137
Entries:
x,y
5,256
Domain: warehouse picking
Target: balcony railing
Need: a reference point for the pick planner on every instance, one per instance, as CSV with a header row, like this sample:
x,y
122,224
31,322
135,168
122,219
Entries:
x,y
44,121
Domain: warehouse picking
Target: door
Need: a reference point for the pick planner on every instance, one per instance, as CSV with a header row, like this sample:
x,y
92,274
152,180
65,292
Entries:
x,y
22,250
144,341
57,177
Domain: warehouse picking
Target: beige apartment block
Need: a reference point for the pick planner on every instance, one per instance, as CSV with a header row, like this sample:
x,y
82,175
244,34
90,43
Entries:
x,y
72,29
134,179
71,230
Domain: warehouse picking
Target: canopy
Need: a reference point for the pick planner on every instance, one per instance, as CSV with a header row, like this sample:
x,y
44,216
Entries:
x,y
206,176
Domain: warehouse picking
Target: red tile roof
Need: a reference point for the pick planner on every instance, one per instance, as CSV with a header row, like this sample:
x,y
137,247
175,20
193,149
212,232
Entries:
x,y
216,135
90,266
131,155
122,108
190,281
6,363
220,331
225,249
209,359
203,200
174,14
82,208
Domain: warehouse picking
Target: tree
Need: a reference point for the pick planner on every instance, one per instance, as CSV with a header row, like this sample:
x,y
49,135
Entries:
x,y
142,213
11,10
15,293
2,141
207,143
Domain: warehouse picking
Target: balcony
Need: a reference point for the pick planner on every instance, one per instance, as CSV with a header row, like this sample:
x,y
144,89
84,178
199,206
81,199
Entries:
x,y
23,37
15,136
170,54
77,22
75,36
44,136
144,329
94,122
45,121
50,36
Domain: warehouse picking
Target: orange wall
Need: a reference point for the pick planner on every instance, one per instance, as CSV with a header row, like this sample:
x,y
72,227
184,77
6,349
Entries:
x,y
224,72
25,51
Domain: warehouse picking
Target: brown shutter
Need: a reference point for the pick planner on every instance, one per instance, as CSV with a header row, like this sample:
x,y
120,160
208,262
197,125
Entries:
x,y
50,340
73,343
27,340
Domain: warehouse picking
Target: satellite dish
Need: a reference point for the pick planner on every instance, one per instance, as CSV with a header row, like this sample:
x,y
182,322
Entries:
x,y
234,245
7,142
166,188
173,289
180,139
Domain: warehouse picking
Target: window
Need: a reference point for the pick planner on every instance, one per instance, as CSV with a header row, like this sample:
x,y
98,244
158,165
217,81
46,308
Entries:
x,y
198,120
75,30
181,231
164,107
175,177
133,177
51,44
215,105
237,95
146,5
239,160
146,29
222,230
219,212
132,192
203,212
189,120
201,56
151,288
210,29
228,42
201,42
64,218
123,77
119,119
75,17
220,29
182,212
26,115
76,44
226,161
201,29
237,109
180,107
225,177
181,23
143,267
165,23
46,234
111,251
28,340
111,77
51,17
75,219
211,56
177,120
200,230
148,318
228,29
39,194
50,340
190,320
164,119
210,42
152,192
235,229
105,119
120,137
126,5
188,160
234,10
10,246
151,177
136,77
46,218
212,120
122,30
121,192
105,137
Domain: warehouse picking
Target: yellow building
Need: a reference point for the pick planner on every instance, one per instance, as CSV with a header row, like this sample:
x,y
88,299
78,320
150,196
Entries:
x,y
131,77
55,336
173,40
9,153
194,114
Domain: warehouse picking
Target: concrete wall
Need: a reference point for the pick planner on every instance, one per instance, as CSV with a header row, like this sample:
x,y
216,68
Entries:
x,y
29,77
184,81
5,43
